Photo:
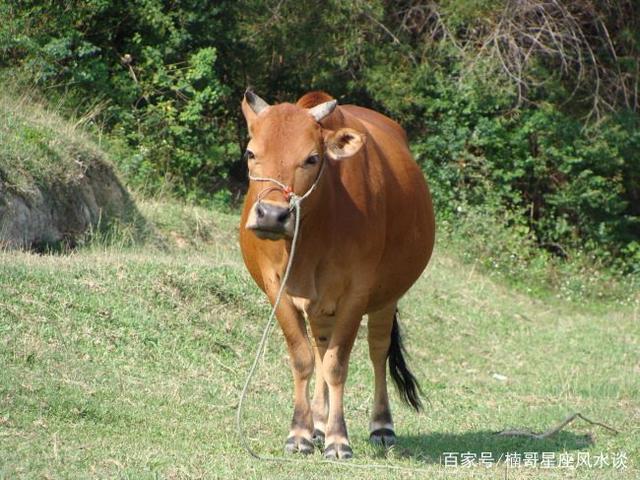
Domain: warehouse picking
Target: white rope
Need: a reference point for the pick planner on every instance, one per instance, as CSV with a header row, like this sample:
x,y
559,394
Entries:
x,y
294,204
267,179
293,197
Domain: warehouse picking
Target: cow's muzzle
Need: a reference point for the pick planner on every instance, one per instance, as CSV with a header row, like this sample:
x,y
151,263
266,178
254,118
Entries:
x,y
270,220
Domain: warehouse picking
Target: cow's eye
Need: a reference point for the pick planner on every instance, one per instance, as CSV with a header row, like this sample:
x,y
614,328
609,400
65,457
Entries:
x,y
248,155
312,159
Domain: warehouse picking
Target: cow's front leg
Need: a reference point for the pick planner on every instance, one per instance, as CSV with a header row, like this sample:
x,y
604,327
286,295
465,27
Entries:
x,y
335,366
320,401
300,437
302,362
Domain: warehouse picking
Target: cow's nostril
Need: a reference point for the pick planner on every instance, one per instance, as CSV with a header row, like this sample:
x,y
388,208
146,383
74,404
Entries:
x,y
260,211
283,216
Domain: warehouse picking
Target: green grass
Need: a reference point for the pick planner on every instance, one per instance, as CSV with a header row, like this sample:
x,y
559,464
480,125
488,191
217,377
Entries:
x,y
127,363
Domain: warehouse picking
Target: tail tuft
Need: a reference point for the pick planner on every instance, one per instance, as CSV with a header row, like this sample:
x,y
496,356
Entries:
x,y
406,383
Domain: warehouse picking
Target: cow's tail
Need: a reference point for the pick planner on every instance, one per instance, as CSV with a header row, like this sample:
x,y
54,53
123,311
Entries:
x,y
406,383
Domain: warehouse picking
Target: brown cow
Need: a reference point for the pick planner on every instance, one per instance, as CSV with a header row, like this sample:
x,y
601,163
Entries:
x,y
366,235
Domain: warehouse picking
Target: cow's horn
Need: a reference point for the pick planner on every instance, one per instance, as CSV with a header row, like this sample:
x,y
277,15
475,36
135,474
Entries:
x,y
322,110
255,102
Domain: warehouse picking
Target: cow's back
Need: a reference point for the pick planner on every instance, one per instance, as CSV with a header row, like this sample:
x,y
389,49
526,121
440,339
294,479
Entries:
x,y
405,211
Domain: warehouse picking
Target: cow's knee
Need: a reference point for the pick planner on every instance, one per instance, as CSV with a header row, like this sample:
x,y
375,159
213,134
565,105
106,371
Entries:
x,y
302,361
334,370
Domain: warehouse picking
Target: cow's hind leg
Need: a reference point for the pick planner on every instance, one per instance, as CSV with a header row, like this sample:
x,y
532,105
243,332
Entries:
x,y
380,324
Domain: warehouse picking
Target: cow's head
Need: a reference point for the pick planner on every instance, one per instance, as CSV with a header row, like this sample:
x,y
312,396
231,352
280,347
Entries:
x,y
288,144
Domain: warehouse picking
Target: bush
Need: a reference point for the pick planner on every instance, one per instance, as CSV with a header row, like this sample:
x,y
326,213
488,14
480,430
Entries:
x,y
572,184
149,69
499,243
181,136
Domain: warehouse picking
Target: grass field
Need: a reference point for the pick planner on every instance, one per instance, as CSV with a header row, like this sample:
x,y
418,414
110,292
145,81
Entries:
x,y
126,362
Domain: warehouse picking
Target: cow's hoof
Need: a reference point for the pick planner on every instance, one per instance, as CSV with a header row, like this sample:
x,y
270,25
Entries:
x,y
338,451
383,437
318,437
298,445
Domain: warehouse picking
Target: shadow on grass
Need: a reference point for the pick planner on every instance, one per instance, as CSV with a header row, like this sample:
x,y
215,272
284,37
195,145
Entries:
x,y
431,447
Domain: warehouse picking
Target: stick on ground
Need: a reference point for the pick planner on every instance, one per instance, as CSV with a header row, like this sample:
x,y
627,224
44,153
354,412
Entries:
x,y
513,432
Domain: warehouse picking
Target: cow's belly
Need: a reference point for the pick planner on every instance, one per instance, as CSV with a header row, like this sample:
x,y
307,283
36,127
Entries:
x,y
395,277
405,257
378,283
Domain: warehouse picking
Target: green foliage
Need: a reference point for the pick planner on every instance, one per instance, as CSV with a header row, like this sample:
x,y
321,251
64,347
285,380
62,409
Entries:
x,y
289,48
503,245
150,68
573,184
181,137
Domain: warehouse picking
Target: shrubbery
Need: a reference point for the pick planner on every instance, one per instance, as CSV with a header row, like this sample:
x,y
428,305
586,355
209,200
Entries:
x,y
572,185
148,72
528,107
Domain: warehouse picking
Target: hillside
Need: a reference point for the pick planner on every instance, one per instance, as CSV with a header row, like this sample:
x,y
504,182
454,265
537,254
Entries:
x,y
127,363
56,185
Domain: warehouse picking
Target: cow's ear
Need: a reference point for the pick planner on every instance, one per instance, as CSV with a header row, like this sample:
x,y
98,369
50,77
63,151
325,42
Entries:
x,y
344,143
249,115
252,105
